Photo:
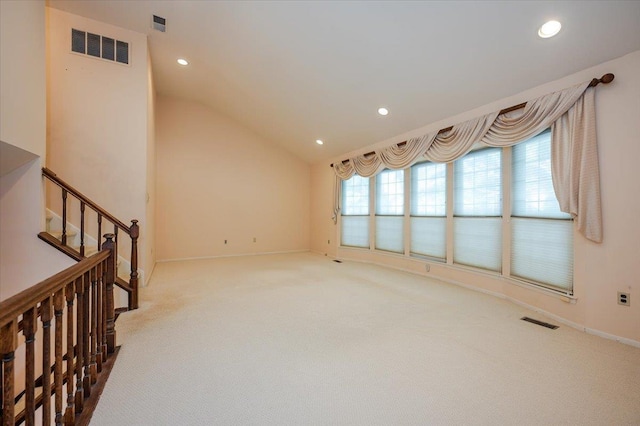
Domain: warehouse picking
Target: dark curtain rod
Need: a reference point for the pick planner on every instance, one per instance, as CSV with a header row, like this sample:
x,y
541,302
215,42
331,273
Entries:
x,y
605,79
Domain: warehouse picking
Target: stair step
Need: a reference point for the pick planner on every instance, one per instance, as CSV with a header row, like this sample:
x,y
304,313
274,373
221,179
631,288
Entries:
x,y
88,250
58,235
49,218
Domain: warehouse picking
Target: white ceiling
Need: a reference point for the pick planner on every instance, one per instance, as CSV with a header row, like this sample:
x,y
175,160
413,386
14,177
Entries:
x,y
297,71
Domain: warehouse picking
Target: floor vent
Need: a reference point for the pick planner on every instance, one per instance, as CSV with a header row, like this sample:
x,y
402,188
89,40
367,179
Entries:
x,y
540,323
338,261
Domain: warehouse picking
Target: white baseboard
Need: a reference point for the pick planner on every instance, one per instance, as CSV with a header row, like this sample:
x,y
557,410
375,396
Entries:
x,y
181,259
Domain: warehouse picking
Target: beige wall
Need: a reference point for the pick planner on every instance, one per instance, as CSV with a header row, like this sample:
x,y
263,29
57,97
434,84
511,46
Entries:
x,y
99,137
601,270
217,181
24,259
22,76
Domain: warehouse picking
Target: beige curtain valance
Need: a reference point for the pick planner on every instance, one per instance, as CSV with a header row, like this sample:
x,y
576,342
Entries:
x,y
575,171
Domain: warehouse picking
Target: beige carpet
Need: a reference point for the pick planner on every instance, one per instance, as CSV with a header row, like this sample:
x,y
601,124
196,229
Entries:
x,y
300,340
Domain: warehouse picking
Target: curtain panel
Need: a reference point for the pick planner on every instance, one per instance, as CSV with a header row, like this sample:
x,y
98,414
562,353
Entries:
x,y
575,171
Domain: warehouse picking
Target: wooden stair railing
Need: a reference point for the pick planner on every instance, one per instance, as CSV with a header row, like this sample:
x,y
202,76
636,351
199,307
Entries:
x,y
83,348
133,231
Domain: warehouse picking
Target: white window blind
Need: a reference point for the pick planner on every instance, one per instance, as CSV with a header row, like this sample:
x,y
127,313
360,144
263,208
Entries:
x,y
355,212
390,210
355,231
541,235
429,209
477,237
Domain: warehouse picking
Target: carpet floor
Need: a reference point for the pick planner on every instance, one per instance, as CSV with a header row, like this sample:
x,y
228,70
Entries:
x,y
297,339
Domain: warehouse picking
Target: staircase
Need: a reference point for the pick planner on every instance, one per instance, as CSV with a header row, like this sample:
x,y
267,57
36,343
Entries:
x,y
71,316
72,240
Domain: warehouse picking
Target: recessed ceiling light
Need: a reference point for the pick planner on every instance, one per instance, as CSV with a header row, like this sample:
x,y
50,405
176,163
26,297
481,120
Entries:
x,y
549,29
319,142
183,62
383,111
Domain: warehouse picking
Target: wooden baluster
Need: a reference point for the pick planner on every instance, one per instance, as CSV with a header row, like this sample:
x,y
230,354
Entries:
x,y
58,306
110,277
86,326
29,331
45,316
82,207
135,233
103,309
99,231
99,318
115,247
64,217
79,395
93,367
69,417
8,345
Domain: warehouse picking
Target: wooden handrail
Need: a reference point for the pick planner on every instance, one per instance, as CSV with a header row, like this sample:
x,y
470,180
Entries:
x,y
17,304
61,244
80,300
605,79
64,185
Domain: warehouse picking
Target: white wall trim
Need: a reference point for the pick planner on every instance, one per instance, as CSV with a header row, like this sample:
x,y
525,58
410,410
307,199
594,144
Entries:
x,y
181,259
322,253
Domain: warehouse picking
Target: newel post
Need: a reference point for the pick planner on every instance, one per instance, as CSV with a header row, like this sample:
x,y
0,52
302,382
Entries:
x,y
110,278
134,231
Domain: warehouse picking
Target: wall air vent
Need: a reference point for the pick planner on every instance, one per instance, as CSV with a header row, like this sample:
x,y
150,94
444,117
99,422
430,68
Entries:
x,y
98,46
159,23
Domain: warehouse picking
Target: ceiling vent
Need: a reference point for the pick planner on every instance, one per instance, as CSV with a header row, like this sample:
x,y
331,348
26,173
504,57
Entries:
x,y
159,23
98,46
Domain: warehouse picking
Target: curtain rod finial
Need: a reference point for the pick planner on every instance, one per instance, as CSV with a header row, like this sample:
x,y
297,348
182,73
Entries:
x,y
607,78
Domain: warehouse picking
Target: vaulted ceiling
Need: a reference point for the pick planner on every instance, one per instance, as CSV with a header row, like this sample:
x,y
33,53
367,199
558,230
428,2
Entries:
x,y
297,71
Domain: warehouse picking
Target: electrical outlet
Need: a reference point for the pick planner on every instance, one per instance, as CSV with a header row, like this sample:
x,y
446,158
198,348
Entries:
x,y
427,267
254,239
328,241
624,299
225,241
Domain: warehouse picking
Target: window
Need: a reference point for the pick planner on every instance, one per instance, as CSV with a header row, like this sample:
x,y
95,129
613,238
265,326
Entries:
x,y
523,236
477,223
541,235
355,212
390,211
429,209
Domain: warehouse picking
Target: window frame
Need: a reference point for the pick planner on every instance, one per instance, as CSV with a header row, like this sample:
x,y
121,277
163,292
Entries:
x,y
505,218
383,213
438,214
